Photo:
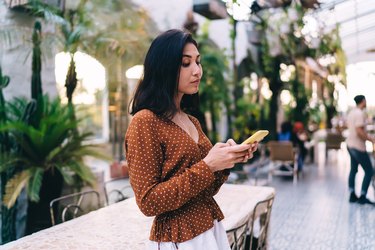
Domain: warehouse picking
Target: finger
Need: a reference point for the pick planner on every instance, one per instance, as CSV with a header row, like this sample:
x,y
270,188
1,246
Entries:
x,y
221,144
251,155
246,158
240,159
254,147
235,155
239,148
231,142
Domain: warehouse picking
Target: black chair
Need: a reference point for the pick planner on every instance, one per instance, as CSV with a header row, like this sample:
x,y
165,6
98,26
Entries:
x,y
238,236
115,191
70,206
261,215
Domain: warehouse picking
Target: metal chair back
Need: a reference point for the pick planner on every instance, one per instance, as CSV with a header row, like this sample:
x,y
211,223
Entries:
x,y
68,207
115,191
238,236
261,214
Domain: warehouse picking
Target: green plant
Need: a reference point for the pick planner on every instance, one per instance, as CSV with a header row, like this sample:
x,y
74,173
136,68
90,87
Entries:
x,y
118,41
52,145
7,215
36,81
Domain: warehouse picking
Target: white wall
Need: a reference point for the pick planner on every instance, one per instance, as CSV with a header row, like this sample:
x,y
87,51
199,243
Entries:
x,y
16,63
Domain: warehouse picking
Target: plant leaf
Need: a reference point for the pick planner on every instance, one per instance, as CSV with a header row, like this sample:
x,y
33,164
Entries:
x,y
67,175
35,183
83,171
8,160
14,187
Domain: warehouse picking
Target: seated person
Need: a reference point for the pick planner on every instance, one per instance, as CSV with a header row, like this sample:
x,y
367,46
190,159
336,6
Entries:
x,y
285,135
286,132
298,136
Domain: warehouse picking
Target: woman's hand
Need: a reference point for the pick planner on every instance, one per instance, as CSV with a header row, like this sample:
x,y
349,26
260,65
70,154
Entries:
x,y
225,155
253,148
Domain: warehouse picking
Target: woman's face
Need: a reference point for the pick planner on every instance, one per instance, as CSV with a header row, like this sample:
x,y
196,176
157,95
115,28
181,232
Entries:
x,y
190,71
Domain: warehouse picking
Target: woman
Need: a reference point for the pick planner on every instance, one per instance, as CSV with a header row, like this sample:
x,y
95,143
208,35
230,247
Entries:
x,y
173,168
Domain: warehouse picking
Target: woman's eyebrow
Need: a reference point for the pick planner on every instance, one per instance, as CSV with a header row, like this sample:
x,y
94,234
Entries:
x,y
190,56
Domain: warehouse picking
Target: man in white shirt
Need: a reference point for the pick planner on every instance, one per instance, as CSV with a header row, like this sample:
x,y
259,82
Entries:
x,y
356,143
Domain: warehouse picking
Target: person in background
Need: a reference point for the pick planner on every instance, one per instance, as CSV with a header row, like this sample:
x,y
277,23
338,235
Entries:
x,y
173,168
286,132
299,138
356,144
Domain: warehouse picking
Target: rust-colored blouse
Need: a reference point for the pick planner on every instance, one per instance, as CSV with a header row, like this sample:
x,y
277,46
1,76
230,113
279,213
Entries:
x,y
169,178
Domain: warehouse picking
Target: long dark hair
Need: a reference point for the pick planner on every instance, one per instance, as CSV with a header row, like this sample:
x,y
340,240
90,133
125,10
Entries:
x,y
158,87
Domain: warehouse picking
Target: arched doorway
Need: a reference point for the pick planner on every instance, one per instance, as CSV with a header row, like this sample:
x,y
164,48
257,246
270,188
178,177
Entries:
x,y
90,97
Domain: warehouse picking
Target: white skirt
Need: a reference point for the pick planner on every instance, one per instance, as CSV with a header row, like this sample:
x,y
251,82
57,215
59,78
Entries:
x,y
213,239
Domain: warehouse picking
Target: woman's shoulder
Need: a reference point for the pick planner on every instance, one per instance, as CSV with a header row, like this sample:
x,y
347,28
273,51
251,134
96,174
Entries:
x,y
145,114
148,117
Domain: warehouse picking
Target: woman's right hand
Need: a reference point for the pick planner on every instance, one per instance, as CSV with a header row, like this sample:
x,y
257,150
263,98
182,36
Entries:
x,y
223,155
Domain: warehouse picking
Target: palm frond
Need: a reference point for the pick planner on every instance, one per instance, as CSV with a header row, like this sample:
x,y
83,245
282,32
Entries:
x,y
91,150
74,38
8,160
15,108
83,171
48,12
27,147
66,174
14,187
35,183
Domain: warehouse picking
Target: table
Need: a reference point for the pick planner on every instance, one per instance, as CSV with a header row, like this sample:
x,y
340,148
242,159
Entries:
x,y
123,226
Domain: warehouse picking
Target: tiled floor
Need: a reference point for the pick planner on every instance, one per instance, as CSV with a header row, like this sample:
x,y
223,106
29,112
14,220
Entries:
x,y
316,214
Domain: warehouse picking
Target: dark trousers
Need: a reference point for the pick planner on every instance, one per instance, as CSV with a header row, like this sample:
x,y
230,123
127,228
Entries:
x,y
360,158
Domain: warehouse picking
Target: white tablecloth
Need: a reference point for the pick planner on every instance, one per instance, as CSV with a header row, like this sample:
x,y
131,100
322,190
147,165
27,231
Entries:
x,y
123,226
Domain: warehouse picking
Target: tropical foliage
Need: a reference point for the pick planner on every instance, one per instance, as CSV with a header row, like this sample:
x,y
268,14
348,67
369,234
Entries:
x,y
118,41
50,146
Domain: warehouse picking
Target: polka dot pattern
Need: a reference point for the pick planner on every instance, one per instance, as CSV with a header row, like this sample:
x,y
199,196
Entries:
x,y
169,178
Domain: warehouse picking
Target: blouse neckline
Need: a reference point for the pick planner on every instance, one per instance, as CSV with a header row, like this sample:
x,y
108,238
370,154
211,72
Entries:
x,y
186,133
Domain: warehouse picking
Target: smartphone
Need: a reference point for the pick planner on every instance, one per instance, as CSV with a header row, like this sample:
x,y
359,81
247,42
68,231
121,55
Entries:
x,y
256,137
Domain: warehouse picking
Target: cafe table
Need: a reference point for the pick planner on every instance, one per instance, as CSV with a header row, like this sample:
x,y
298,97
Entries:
x,y
123,226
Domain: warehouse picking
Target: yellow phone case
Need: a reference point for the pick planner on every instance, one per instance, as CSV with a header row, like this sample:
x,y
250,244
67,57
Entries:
x,y
257,136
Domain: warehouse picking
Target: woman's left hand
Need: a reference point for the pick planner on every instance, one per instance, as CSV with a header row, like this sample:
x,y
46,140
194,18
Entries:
x,y
252,149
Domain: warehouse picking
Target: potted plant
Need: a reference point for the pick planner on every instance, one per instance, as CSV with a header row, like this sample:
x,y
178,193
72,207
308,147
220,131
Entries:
x,y
51,151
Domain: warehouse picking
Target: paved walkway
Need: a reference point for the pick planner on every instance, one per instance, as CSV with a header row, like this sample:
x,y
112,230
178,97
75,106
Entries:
x,y
316,214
